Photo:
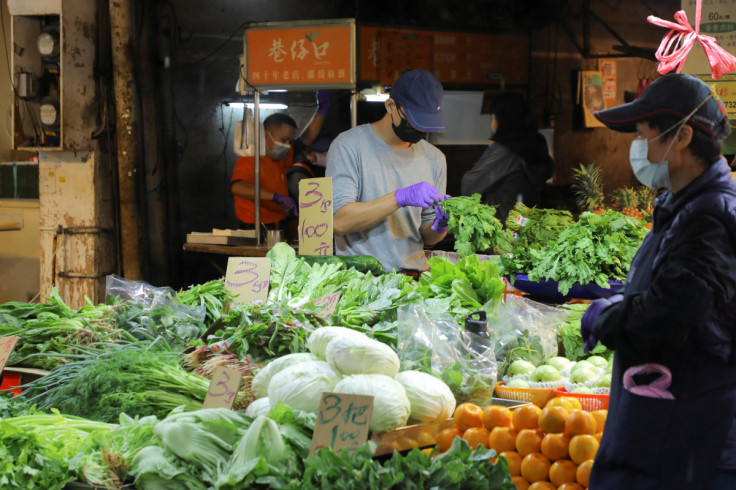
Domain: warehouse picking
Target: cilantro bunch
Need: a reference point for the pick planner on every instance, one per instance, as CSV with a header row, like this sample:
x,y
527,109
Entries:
x,y
595,249
473,224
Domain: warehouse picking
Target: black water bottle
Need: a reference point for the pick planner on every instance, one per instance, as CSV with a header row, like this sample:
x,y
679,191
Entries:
x,y
477,330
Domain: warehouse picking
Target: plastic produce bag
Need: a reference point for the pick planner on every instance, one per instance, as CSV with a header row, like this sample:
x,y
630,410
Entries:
x,y
524,329
153,311
434,343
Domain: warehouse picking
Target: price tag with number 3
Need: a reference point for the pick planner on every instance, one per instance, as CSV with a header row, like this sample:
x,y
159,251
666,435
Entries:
x,y
223,388
247,278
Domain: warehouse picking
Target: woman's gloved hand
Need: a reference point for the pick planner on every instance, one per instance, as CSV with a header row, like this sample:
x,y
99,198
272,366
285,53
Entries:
x,y
440,219
591,314
323,102
287,204
422,195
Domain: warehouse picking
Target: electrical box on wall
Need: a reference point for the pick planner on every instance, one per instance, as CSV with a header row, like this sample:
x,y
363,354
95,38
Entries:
x,y
53,74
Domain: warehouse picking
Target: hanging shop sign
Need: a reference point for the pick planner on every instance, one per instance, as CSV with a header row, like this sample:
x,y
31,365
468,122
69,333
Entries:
x,y
319,54
453,57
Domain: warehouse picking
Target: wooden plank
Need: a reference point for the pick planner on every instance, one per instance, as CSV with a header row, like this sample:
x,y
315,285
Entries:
x,y
232,250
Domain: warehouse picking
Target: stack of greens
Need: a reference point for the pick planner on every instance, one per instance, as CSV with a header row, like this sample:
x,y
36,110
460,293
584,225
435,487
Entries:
x,y
569,335
597,248
49,330
529,229
136,379
473,224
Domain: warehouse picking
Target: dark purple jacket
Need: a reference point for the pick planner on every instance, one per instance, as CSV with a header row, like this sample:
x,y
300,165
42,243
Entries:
x,y
679,309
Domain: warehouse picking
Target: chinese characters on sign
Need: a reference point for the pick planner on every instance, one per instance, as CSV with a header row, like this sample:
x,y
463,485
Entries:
x,y
315,216
7,344
342,421
247,278
223,388
302,55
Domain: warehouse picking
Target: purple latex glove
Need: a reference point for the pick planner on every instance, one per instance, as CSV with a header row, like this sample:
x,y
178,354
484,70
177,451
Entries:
x,y
323,102
440,219
287,204
591,314
422,195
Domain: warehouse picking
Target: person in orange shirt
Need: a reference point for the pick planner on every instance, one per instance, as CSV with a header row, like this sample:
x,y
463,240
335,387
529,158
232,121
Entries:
x,y
281,146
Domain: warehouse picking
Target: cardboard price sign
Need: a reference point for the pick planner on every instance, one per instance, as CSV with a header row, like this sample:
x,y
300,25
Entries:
x,y
342,421
330,303
315,213
247,278
7,344
223,388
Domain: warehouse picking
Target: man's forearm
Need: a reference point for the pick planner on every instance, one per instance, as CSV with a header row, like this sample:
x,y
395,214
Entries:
x,y
247,190
430,236
359,216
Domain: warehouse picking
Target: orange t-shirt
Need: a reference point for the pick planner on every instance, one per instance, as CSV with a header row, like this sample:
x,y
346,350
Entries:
x,y
273,178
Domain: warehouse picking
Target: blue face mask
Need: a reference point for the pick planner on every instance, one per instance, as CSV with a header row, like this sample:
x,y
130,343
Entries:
x,y
653,175
656,175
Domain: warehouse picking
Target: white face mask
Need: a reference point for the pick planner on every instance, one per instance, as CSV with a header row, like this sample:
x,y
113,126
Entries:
x,y
653,175
279,150
656,175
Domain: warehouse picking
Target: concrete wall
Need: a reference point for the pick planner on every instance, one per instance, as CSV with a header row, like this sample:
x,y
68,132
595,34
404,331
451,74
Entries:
x,y
19,252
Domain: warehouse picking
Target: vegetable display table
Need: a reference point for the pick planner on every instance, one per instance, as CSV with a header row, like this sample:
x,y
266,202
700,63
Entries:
x,y
231,250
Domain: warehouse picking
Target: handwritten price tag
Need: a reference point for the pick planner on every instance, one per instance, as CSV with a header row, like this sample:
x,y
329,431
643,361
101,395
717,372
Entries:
x,y
342,421
247,278
330,303
223,388
315,213
7,344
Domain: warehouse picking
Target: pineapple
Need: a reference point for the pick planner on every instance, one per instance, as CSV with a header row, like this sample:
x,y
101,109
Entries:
x,y
646,199
626,200
588,188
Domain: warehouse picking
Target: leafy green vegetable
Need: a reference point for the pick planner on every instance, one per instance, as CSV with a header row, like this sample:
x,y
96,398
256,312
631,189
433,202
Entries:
x,y
569,334
473,224
458,468
211,295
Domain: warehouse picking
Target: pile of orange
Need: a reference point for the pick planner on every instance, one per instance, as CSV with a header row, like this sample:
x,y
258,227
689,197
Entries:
x,y
550,448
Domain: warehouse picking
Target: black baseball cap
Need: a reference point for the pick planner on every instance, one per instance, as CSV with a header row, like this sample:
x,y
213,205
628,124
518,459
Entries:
x,y
419,93
677,94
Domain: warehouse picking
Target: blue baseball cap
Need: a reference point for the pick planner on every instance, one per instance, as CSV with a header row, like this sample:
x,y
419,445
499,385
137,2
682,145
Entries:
x,y
419,93
676,94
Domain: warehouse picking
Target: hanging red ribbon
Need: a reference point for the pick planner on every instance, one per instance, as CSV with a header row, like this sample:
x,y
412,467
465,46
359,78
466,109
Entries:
x,y
679,41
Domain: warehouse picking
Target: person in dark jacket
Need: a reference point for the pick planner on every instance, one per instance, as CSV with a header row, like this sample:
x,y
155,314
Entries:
x,y
677,312
309,164
516,164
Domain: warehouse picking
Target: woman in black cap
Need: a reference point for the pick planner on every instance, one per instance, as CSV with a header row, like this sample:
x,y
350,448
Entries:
x,y
516,163
676,319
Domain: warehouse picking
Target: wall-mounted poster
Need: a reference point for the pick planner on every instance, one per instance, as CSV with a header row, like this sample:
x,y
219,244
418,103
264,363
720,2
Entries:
x,y
592,97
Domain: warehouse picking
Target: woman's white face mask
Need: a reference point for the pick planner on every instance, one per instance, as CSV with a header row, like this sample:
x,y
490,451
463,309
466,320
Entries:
x,y
656,175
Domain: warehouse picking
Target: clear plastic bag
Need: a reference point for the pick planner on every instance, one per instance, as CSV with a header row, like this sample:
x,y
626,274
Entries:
x,y
524,329
433,342
153,312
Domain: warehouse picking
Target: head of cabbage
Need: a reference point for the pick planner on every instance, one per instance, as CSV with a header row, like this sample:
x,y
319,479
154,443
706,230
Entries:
x,y
355,355
430,398
391,407
301,386
262,379
321,338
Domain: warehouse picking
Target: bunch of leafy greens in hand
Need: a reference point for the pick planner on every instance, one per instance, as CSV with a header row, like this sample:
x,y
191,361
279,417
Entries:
x,y
459,468
472,223
595,249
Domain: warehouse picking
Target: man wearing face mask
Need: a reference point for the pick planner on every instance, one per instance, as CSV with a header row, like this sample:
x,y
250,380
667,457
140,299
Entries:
x,y
281,146
388,182
678,307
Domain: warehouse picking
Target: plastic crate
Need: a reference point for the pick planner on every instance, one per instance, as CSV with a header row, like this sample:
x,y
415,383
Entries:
x,y
589,403
537,396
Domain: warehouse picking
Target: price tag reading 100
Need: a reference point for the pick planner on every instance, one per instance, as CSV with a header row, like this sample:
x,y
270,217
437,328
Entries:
x,y
342,421
315,216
